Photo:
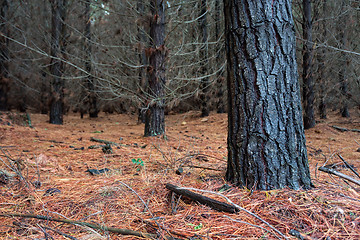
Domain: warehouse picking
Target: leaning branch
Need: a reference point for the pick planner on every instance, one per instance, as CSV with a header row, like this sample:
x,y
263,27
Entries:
x,y
339,174
348,165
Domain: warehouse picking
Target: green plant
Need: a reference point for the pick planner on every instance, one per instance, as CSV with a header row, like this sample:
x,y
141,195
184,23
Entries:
x,y
196,227
138,162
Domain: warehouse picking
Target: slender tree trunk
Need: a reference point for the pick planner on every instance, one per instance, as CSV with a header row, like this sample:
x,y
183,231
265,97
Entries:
x,y
204,55
220,82
44,97
142,38
344,66
45,85
92,99
56,66
4,55
322,69
266,140
155,119
308,83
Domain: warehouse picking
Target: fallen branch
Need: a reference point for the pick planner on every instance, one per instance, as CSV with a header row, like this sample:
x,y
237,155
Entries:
x,y
345,129
86,224
206,168
214,204
339,174
348,165
103,141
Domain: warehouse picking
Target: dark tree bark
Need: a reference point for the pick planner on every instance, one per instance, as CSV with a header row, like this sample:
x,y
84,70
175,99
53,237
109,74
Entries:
x,y
308,83
91,97
4,55
266,140
44,97
56,66
204,60
344,68
322,69
45,85
155,119
219,57
142,38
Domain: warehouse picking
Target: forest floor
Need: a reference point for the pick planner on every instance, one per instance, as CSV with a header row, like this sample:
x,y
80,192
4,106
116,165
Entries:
x,y
43,171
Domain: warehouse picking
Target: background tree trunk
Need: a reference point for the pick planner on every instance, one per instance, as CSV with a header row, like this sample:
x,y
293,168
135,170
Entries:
x,y
56,66
4,56
143,39
220,82
204,55
308,83
322,68
344,68
266,141
92,98
155,119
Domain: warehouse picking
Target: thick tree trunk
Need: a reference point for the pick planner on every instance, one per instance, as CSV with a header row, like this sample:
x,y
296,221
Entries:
x,y
92,99
4,55
155,120
56,66
266,140
308,83
204,60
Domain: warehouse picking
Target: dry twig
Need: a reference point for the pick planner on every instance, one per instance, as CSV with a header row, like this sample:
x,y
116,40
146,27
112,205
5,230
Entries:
x,y
339,174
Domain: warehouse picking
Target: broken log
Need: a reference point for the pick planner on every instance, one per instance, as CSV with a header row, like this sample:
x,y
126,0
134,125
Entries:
x,y
339,174
214,204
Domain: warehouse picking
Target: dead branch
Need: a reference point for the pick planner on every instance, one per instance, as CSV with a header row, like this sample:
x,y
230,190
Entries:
x,y
339,174
214,204
345,129
86,224
103,141
205,168
348,165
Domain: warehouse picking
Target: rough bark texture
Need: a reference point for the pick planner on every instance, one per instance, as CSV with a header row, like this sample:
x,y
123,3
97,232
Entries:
x,y
4,56
266,140
155,120
204,60
56,66
92,99
308,83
